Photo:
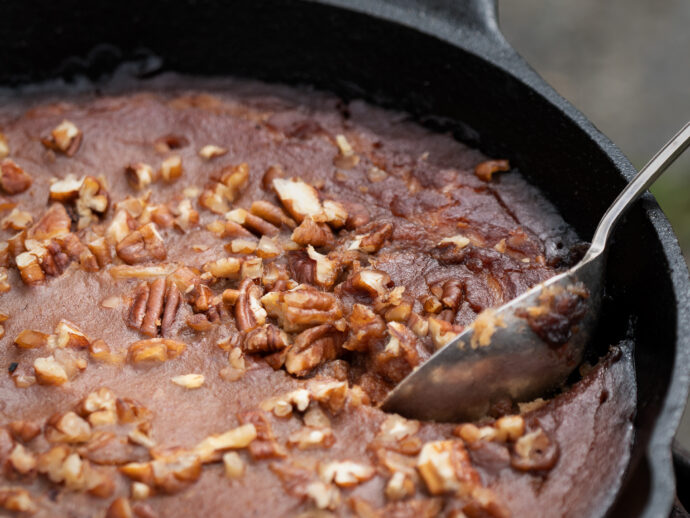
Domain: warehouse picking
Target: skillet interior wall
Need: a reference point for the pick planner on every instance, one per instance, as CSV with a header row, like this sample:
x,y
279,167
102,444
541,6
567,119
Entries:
x,y
357,56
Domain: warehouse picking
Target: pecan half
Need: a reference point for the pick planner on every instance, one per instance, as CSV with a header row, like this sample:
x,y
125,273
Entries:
x,y
154,308
172,303
13,179
141,246
137,310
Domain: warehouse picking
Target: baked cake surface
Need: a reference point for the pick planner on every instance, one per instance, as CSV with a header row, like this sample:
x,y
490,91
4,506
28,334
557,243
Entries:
x,y
208,286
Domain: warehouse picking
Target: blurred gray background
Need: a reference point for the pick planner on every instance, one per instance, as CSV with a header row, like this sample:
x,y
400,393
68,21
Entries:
x,y
626,65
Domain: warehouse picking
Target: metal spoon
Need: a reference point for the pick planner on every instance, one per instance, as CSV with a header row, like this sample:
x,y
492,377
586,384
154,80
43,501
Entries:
x,y
482,365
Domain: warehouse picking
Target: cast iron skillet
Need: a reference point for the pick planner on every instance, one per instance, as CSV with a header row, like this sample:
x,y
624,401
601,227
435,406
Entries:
x,y
443,61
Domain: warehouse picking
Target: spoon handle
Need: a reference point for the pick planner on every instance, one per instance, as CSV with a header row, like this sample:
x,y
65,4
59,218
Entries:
x,y
647,175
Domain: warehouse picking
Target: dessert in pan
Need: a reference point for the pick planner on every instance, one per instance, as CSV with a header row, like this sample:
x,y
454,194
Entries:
x,y
208,286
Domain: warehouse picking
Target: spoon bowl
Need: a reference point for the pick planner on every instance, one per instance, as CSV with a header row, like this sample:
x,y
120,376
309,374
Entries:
x,y
531,344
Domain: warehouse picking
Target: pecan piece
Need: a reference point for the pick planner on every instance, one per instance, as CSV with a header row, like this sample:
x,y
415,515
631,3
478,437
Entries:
x,y
54,222
167,143
271,213
139,175
4,146
485,170
313,347
534,451
299,198
13,179
373,241
93,199
211,151
137,310
64,138
143,245
249,312
155,349
311,233
365,328
171,168
265,339
302,307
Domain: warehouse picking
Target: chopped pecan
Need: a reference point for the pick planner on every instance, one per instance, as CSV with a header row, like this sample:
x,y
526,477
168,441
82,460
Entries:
x,y
4,280
265,339
139,175
17,499
265,445
155,350
335,213
373,282
313,347
302,307
4,146
373,241
93,199
68,427
22,460
212,447
65,138
234,466
271,213
171,168
311,233
30,339
189,381
249,311
234,177
101,251
17,220
69,335
347,158
49,371
299,198
534,451
442,332
143,245
24,431
273,172
485,170
29,268
13,179
211,151
445,467
346,473
358,215
170,142
125,271
365,328
267,248
66,189
224,268
54,222
252,222
326,270
187,216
